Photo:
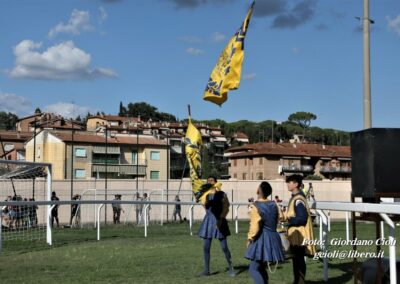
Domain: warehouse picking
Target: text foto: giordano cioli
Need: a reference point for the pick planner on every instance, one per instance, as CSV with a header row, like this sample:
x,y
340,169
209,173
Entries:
x,y
357,242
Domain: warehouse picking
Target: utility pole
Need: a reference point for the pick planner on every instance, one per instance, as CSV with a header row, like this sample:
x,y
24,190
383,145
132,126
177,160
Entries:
x,y
367,68
106,172
137,158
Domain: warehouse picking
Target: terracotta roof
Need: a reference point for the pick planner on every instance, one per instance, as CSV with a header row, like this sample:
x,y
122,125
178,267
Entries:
x,y
116,117
288,149
217,135
240,135
100,139
15,136
30,116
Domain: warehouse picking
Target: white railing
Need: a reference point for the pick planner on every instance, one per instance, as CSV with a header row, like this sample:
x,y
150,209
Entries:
x,y
321,208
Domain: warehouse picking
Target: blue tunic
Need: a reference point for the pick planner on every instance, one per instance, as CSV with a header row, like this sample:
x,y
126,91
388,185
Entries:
x,y
208,228
267,246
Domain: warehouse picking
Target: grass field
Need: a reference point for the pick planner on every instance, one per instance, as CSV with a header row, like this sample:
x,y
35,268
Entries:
x,y
167,255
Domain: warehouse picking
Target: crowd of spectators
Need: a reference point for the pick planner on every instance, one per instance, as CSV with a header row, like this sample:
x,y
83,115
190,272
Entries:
x,y
16,217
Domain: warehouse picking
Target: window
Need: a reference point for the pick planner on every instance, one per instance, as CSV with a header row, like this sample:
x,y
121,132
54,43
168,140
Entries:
x,y
245,162
154,175
260,161
234,162
134,158
80,173
234,175
244,176
80,152
155,155
260,176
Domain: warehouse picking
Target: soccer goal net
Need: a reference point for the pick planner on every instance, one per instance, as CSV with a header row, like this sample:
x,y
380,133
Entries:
x,y
21,182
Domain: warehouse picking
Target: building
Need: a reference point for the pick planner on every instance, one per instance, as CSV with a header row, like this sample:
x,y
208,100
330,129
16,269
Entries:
x,y
115,123
99,156
13,143
271,161
171,133
46,121
239,139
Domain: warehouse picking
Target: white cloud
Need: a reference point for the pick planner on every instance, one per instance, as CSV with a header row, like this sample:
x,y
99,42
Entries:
x,y
103,14
394,24
251,76
190,39
218,37
194,51
15,104
68,110
79,22
63,61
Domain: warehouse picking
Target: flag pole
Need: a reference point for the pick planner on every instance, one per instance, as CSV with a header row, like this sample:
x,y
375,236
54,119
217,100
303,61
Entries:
x,y
189,111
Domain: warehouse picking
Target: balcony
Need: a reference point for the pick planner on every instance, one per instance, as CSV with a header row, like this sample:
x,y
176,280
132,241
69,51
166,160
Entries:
x,y
339,170
298,169
120,169
108,161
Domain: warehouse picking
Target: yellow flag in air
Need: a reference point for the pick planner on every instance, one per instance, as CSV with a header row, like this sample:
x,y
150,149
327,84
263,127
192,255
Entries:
x,y
193,143
227,72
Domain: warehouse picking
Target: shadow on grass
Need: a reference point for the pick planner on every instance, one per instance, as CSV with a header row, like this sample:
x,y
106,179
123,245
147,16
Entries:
x,y
239,269
347,276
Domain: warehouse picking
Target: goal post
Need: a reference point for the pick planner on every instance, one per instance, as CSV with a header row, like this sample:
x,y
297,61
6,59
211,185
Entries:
x,y
22,181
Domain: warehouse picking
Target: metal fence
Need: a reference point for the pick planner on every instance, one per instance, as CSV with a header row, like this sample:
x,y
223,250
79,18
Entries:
x,y
322,209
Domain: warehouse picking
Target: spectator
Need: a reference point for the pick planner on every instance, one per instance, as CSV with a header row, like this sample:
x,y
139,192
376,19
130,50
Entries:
x,y
76,212
33,220
309,193
117,208
277,200
54,211
177,210
138,209
146,198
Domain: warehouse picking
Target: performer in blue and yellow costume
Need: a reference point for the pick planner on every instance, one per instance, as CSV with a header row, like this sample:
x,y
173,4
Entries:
x,y
264,243
300,227
214,225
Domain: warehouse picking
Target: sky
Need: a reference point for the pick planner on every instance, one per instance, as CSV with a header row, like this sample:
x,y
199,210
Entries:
x,y
74,56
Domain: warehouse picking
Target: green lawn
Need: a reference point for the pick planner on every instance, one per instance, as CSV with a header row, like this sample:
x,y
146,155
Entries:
x,y
167,255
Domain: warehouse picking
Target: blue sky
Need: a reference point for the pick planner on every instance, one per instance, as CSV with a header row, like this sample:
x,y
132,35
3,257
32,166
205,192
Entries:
x,y
71,56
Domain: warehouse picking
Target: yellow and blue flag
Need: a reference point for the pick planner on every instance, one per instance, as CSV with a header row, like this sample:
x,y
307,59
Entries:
x,y
227,72
193,142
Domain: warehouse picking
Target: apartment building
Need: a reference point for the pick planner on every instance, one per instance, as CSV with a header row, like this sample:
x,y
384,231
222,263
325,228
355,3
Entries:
x,y
273,161
13,144
87,155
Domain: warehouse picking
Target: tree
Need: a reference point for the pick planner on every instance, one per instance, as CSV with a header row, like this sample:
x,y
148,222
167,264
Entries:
x,y
147,112
38,111
122,110
303,119
7,120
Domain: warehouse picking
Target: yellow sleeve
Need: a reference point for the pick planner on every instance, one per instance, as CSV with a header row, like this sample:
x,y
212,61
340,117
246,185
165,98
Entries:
x,y
225,206
281,215
255,220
